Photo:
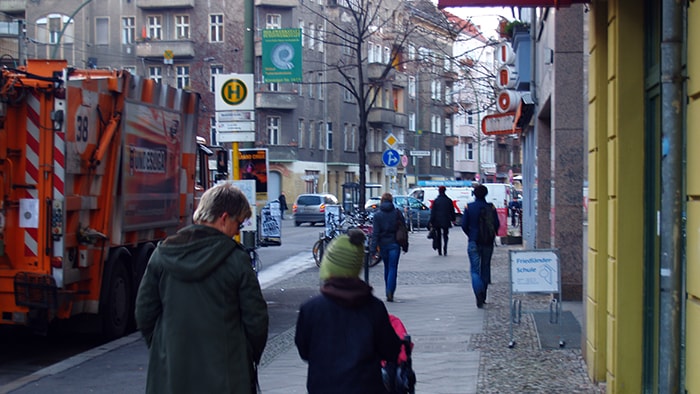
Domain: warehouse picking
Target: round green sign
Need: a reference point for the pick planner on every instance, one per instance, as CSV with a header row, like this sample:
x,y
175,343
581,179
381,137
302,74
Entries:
x,y
234,91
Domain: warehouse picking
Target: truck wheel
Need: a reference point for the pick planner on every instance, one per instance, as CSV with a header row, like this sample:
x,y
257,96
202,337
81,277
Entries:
x,y
116,306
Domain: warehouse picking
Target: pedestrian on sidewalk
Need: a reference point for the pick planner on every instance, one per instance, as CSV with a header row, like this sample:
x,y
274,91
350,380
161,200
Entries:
x,y
200,307
345,332
384,237
479,250
442,215
283,203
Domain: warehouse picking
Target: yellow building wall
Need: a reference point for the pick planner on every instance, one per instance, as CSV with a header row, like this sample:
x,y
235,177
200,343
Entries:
x,y
692,367
616,162
596,293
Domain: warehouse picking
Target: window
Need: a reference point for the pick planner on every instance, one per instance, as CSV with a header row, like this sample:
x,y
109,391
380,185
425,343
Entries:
x,y
411,121
301,26
212,130
102,31
448,159
155,27
347,95
436,157
319,37
213,70
448,126
387,55
155,73
183,77
469,154
411,87
312,32
216,28
370,52
182,27
301,131
319,130
130,69
311,134
128,30
273,87
300,89
320,86
329,136
436,90
311,87
411,52
470,119
273,21
273,130
346,137
48,29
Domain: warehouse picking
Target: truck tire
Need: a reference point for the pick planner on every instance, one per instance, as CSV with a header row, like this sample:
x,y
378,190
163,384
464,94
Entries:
x,y
116,303
143,254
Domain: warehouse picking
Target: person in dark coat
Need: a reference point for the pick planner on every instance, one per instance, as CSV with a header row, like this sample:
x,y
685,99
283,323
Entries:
x,y
442,215
283,203
479,252
199,305
384,238
345,332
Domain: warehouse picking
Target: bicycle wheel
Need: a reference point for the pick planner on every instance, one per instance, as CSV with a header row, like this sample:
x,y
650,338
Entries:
x,y
317,251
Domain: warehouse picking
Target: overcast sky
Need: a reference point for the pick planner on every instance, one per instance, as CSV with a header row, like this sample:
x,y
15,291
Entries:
x,y
486,17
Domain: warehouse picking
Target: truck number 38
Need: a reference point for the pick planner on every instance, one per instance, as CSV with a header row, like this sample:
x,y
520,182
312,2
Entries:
x,y
81,129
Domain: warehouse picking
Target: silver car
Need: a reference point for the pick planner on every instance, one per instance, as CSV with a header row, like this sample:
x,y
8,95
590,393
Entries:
x,y
417,212
311,208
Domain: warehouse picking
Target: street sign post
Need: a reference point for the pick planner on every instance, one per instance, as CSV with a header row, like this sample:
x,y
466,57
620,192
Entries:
x,y
390,158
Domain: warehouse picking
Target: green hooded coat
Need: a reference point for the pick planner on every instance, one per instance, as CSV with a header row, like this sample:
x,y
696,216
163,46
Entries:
x,y
202,313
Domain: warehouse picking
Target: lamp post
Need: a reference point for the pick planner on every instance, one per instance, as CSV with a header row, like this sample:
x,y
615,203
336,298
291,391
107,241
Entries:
x,y
65,26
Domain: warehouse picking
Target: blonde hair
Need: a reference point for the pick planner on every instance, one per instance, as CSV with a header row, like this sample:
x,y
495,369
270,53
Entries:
x,y
220,199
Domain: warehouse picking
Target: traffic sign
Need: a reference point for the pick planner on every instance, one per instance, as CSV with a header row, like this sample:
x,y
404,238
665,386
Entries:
x,y
391,171
404,160
420,153
391,140
390,158
234,92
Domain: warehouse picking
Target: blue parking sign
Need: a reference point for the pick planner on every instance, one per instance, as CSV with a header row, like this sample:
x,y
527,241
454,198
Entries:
x,y
391,158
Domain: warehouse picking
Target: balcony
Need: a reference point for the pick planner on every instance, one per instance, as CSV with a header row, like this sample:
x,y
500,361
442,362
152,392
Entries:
x,y
12,5
276,100
451,140
375,70
282,153
400,79
156,48
401,120
374,159
451,109
151,4
277,3
380,116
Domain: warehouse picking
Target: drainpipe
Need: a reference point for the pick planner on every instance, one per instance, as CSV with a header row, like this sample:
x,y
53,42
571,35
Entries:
x,y
670,225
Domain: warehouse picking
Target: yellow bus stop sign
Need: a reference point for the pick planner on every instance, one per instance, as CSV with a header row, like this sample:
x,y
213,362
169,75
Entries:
x,y
234,91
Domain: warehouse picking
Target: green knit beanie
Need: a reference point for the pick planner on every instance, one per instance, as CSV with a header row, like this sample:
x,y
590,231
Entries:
x,y
344,256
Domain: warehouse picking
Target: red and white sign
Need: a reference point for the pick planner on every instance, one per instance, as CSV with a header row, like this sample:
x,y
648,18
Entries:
x,y
505,53
507,77
508,101
499,124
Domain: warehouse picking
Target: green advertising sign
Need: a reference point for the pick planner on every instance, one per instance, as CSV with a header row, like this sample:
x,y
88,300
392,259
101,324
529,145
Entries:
x,y
281,55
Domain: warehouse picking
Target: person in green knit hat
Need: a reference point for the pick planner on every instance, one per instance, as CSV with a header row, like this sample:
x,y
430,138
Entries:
x,y
344,332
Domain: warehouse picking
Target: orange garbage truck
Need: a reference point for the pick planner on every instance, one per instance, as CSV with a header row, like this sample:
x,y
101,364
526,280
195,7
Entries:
x,y
96,166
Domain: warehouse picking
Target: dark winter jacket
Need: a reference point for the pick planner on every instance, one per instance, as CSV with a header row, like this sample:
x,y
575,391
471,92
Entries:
x,y
202,314
442,214
470,219
384,225
343,334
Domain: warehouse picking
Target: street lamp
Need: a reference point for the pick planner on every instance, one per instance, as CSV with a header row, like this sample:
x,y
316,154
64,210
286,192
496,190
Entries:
x,y
65,26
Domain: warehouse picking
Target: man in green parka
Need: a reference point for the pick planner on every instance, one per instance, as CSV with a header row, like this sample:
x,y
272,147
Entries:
x,y
200,307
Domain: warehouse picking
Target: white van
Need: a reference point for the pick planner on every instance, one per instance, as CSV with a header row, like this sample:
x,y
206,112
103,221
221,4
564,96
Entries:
x,y
500,194
460,195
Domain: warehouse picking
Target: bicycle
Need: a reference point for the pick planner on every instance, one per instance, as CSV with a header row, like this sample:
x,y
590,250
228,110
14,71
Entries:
x,y
352,221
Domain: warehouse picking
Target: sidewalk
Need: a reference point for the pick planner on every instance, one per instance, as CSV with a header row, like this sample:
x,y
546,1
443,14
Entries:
x,y
458,348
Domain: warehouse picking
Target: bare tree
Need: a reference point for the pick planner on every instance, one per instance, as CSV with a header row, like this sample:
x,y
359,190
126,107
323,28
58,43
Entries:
x,y
350,26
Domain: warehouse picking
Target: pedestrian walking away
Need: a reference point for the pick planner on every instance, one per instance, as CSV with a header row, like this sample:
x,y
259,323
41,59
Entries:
x,y
480,245
384,238
442,216
283,203
345,332
199,305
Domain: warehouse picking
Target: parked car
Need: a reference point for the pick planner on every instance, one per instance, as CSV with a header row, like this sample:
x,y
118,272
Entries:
x,y
311,208
418,212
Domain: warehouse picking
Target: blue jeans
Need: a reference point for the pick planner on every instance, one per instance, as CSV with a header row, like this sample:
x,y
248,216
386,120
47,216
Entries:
x,y
480,267
390,257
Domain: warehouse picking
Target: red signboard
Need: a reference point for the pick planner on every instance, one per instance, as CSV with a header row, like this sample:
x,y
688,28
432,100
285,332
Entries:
x,y
499,124
509,3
